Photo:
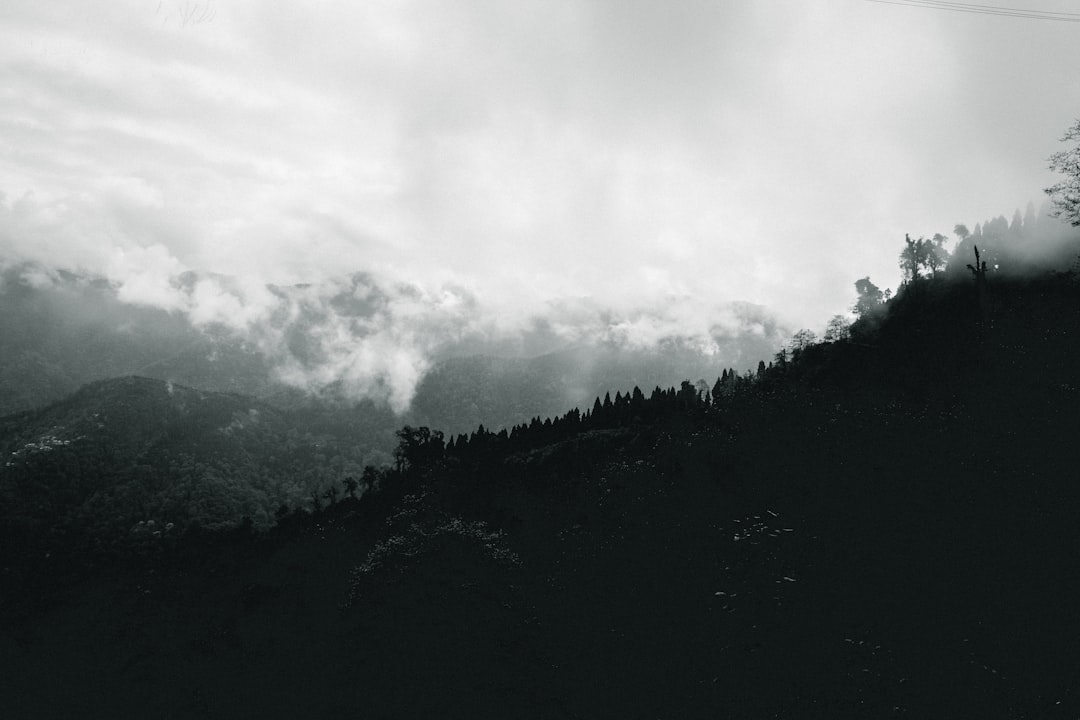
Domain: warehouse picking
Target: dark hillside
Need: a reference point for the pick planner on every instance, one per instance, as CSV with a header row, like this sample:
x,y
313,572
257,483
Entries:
x,y
877,528
130,457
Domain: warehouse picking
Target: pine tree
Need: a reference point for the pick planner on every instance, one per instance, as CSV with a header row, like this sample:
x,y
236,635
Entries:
x,y
1029,219
1065,195
1016,227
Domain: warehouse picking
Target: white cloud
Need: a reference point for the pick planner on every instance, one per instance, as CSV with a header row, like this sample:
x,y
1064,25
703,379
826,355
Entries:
x,y
147,277
627,151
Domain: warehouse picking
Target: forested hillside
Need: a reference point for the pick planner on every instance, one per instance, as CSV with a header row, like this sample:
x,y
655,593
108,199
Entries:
x,y
880,525
123,455
519,360
460,394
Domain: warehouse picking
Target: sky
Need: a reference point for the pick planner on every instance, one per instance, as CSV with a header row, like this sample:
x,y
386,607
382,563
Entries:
x,y
512,156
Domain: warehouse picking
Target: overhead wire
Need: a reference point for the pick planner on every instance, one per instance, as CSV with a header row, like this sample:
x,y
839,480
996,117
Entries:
x,y
986,9
978,9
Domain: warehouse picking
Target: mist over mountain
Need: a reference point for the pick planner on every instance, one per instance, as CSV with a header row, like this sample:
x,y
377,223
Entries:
x,y
351,339
458,394
882,523
59,330
575,360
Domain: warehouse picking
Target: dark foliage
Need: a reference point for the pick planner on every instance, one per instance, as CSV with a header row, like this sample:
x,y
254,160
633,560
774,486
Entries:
x,y
132,461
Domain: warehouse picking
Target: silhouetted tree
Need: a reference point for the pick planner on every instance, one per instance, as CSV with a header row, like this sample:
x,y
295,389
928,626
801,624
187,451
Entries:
x,y
912,257
962,250
869,297
802,340
688,393
920,254
1065,195
936,254
371,477
979,271
418,447
839,328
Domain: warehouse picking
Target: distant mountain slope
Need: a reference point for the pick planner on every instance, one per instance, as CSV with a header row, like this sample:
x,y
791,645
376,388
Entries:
x,y
71,330
459,394
135,450
59,331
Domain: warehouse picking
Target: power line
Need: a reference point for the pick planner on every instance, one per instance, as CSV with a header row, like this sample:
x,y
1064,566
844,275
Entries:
x,y
953,3
977,9
987,9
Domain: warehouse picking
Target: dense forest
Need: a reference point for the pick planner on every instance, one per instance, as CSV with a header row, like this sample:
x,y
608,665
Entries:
x,y
876,522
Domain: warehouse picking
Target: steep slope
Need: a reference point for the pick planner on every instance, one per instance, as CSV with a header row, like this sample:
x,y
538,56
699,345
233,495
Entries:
x,y
880,528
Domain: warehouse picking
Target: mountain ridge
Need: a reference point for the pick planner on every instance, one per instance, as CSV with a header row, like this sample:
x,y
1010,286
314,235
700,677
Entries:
x,y
883,525
61,330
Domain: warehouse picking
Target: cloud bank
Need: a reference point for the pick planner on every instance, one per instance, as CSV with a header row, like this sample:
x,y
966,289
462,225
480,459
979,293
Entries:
x,y
627,152
358,337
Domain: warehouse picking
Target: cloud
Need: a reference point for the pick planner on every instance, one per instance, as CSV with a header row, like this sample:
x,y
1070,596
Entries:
x,y
626,152
360,338
351,335
147,277
360,335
